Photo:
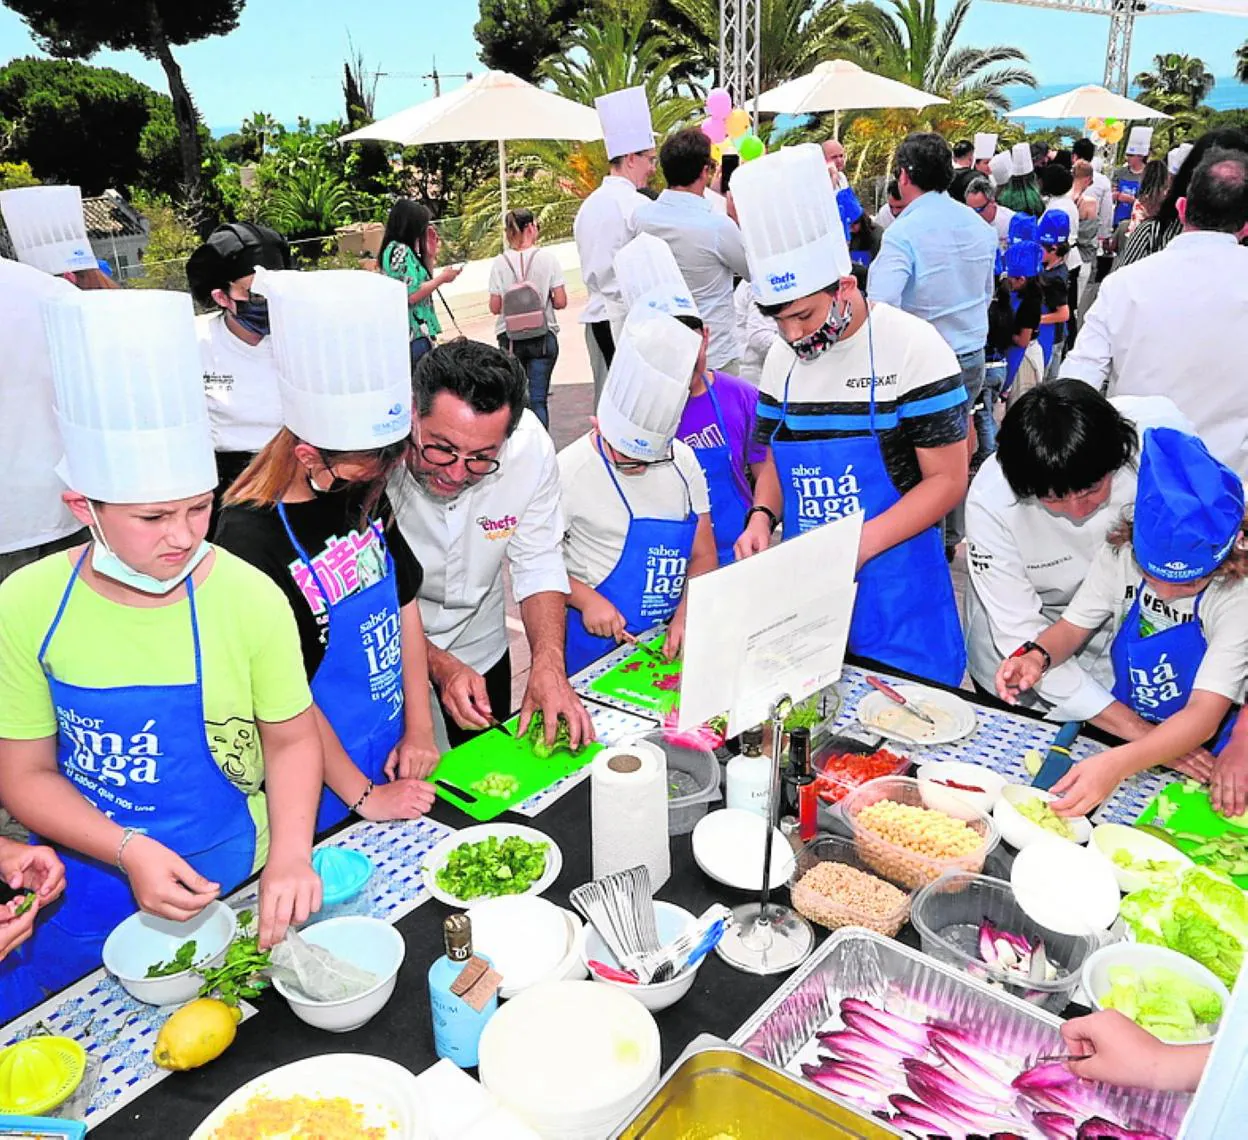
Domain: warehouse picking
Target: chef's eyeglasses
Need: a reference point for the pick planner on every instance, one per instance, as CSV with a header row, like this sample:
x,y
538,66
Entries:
x,y
638,464
442,456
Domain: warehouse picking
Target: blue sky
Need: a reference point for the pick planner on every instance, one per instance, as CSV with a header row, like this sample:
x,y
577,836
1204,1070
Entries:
x,y
286,55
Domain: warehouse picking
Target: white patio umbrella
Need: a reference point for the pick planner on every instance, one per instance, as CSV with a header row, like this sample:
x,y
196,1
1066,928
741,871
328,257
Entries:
x,y
1087,102
839,85
493,107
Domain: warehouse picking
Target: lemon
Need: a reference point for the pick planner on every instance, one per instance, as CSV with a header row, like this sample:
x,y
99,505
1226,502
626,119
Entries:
x,y
194,1035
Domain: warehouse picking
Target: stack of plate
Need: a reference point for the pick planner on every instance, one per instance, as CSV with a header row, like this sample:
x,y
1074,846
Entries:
x,y
528,940
571,1059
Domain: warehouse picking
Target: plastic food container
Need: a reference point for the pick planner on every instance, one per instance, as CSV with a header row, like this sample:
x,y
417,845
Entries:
x,y
693,776
836,778
344,878
902,865
831,913
947,914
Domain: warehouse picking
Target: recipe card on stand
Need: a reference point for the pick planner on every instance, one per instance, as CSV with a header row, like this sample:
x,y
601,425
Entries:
x,y
770,625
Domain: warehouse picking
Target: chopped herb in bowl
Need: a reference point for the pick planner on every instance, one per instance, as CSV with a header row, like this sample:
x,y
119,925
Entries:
x,y
492,867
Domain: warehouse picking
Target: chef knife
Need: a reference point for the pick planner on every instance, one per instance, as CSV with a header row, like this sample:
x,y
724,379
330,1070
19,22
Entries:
x,y
1059,760
897,699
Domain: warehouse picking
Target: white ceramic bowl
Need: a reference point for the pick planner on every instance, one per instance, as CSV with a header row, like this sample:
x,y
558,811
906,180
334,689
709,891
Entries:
x,y
1095,977
954,801
441,852
1065,887
1110,837
365,942
1018,831
671,922
143,940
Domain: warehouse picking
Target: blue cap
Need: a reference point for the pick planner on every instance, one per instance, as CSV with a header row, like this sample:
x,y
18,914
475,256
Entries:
x,y
1024,259
1054,228
849,206
1022,228
998,266
1189,508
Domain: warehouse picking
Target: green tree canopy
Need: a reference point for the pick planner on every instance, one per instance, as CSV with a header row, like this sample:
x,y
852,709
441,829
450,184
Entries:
x,y
1241,62
77,29
1176,81
90,126
517,35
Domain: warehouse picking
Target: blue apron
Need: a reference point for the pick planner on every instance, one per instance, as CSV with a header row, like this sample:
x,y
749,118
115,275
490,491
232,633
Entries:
x,y
729,498
139,753
1122,210
1154,673
1014,354
645,584
905,614
359,682
860,257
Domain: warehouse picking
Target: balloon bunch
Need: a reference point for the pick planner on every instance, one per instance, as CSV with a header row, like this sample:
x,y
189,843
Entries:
x,y
725,122
1108,131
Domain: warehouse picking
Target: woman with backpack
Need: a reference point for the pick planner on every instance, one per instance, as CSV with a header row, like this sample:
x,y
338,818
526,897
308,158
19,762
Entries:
x,y
526,287
409,251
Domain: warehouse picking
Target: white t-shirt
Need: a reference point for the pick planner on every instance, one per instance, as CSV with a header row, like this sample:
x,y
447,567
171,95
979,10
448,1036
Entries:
x,y
31,511
595,517
541,269
1069,207
1001,222
240,382
1109,590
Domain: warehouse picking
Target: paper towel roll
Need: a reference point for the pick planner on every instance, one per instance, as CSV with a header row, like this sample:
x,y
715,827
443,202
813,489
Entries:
x,y
628,805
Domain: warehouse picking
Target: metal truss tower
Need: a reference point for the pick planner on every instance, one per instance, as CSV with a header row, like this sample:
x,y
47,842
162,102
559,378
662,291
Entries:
x,y
739,35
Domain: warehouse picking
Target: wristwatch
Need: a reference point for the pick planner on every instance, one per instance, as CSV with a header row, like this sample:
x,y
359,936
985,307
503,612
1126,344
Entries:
x,y
1030,646
771,516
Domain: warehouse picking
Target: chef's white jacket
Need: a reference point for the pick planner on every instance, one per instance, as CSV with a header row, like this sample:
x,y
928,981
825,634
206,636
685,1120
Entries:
x,y
603,226
1174,324
1025,565
513,514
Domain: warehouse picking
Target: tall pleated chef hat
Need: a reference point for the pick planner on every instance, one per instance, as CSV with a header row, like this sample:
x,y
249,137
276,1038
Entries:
x,y
129,393
625,119
46,226
790,224
646,268
1001,168
1177,157
985,145
1020,160
648,384
340,341
1140,140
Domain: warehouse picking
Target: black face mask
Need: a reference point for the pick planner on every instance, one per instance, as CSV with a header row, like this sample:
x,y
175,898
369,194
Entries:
x,y
253,316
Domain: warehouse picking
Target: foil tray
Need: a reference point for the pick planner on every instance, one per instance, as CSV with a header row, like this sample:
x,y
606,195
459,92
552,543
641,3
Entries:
x,y
715,1091
855,962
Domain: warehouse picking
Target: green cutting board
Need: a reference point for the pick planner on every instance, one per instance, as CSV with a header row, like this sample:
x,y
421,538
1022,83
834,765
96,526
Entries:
x,y
632,681
1193,814
494,752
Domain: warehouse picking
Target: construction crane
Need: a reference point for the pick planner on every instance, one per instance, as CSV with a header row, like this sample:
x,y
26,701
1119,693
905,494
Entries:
x,y
1122,16
739,35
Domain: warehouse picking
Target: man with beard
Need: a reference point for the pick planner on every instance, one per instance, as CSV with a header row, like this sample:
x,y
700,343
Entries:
x,y
481,485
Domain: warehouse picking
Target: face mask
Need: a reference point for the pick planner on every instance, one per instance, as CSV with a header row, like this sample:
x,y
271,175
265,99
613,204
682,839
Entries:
x,y
335,484
826,335
253,316
105,563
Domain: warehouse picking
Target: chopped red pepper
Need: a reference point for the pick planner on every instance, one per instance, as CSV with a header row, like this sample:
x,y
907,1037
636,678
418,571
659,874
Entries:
x,y
841,772
960,787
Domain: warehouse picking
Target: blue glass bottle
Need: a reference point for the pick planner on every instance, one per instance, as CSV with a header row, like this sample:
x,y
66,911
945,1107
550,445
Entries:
x,y
456,1025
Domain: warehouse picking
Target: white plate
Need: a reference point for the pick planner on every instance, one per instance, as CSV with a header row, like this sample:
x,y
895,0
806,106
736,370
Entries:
x,y
482,831
957,802
387,1092
728,846
955,719
524,937
1065,887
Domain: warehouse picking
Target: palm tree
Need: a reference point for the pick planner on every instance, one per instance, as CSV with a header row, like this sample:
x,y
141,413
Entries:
x,y
794,35
910,44
1241,62
1178,80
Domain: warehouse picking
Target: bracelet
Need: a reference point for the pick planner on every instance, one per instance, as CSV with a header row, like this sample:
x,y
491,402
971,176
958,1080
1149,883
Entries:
x,y
1030,647
772,517
368,791
128,834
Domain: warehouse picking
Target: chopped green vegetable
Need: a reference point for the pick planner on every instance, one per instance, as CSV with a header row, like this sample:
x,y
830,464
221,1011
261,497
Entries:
x,y
497,784
492,867
1163,1001
183,960
1033,761
240,975
1157,871
1226,853
536,737
28,900
1200,913
1037,811
805,714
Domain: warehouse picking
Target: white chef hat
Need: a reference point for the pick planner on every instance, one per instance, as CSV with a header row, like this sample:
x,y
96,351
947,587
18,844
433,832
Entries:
x,y
985,145
1001,168
647,267
1020,159
1177,157
129,392
340,341
1140,140
625,119
790,225
46,226
647,384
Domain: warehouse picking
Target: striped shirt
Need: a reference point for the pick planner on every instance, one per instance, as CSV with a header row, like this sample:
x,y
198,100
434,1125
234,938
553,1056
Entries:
x,y
919,398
